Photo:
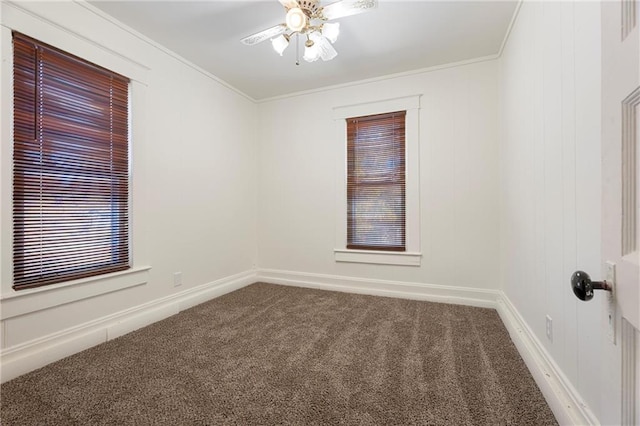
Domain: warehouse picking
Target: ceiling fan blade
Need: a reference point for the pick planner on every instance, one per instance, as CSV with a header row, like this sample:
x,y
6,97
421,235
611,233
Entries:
x,y
288,4
264,35
343,8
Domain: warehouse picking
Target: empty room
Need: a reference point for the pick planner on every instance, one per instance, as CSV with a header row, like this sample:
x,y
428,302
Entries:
x,y
319,212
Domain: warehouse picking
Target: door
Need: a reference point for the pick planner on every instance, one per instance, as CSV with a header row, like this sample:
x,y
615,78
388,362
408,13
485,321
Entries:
x,y
621,182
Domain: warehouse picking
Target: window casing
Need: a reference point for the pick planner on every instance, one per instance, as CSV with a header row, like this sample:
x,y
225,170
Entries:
x,y
343,251
71,167
376,182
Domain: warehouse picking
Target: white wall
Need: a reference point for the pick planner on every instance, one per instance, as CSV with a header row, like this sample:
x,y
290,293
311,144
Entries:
x,y
550,204
298,156
194,197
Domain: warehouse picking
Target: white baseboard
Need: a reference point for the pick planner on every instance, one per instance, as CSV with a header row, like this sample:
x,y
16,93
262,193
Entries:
x,y
21,359
403,290
563,399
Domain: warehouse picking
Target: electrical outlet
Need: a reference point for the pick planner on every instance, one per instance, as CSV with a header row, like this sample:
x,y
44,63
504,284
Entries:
x,y
177,279
610,303
549,328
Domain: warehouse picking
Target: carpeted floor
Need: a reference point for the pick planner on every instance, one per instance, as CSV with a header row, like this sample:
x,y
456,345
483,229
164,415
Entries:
x,y
268,354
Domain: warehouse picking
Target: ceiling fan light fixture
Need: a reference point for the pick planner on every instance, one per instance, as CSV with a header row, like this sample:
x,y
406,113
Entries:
x,y
331,30
309,18
280,43
296,19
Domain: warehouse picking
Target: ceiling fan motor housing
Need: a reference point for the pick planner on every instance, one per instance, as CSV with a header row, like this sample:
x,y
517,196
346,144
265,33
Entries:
x,y
311,8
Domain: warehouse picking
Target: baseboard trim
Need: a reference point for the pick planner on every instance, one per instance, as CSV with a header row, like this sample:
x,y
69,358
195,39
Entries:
x,y
405,290
37,353
563,399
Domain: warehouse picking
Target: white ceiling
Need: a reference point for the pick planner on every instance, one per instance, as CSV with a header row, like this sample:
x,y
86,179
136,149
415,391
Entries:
x,y
397,37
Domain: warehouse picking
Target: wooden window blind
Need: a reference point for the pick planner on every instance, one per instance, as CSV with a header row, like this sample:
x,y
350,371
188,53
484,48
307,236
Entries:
x,y
376,182
70,169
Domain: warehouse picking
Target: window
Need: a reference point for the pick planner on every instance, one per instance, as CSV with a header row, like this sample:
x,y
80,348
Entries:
x,y
70,169
376,182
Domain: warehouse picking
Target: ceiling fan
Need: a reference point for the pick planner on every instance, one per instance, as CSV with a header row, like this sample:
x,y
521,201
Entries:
x,y
309,19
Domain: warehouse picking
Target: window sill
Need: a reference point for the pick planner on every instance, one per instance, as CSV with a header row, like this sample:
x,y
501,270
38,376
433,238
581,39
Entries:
x,y
378,257
36,299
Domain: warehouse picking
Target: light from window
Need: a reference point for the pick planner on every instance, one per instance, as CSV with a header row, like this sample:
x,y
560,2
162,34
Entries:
x,y
71,167
376,190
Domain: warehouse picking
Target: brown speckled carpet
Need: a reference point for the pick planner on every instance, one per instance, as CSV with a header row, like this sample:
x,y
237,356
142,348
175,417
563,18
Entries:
x,y
269,354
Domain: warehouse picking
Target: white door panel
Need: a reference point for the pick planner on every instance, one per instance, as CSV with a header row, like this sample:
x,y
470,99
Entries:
x,y
621,183
620,100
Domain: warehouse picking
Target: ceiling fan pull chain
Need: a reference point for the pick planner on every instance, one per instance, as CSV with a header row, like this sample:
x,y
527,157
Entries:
x,y
297,48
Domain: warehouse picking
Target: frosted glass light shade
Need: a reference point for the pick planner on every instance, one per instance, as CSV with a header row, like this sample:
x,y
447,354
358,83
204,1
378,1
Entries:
x,y
311,53
296,19
280,43
325,49
331,30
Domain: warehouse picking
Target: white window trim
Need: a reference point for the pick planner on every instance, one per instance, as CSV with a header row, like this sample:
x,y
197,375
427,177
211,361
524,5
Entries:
x,y
45,297
20,302
412,256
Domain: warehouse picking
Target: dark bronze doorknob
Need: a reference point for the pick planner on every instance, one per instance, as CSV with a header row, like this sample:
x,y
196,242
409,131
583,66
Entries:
x,y
583,286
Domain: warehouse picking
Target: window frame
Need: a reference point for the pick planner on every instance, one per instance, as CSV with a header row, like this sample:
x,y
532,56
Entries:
x,y
412,255
102,53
